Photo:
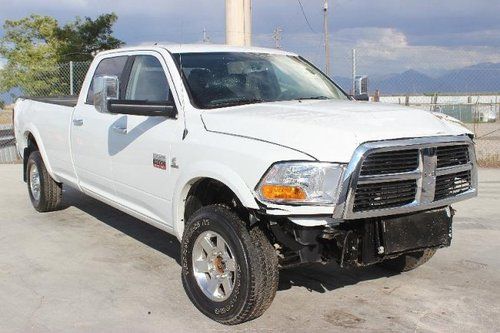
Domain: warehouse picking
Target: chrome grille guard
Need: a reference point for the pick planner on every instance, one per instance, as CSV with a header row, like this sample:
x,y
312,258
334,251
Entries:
x,y
425,176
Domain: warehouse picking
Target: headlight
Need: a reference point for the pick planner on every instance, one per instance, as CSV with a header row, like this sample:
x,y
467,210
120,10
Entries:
x,y
301,183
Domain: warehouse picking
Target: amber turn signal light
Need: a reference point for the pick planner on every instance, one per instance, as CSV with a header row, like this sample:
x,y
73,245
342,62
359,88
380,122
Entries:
x,y
279,192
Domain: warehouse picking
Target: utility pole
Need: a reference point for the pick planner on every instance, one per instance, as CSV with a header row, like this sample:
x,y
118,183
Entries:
x,y
206,38
353,72
239,22
327,38
277,37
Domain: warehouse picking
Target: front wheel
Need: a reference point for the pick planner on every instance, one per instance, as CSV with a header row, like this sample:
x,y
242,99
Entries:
x,y
408,262
229,272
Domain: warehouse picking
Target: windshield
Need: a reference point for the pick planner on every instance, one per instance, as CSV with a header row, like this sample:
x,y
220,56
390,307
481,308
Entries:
x,y
230,78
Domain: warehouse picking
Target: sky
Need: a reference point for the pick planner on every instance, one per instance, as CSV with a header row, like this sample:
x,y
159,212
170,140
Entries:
x,y
390,36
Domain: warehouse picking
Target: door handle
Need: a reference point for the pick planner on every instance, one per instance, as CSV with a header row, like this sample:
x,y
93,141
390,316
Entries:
x,y
119,130
78,122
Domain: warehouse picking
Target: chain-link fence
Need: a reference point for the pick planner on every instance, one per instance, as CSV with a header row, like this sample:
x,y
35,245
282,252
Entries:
x,y
456,83
8,153
59,80
463,85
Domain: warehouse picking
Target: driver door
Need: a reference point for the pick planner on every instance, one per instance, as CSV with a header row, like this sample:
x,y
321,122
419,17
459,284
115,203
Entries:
x,y
141,145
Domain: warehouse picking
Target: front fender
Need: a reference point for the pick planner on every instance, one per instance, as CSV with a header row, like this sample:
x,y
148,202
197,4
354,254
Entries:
x,y
214,170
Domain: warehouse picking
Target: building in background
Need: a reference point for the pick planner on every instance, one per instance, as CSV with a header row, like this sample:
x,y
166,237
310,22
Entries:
x,y
361,88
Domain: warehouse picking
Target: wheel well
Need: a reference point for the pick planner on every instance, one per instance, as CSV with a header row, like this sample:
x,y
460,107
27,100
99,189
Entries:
x,y
208,191
31,143
31,146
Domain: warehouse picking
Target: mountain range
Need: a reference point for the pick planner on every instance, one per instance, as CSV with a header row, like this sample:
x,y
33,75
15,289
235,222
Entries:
x,y
480,78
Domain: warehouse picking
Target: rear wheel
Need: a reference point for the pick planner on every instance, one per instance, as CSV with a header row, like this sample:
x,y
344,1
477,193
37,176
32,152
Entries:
x,y
229,272
407,262
45,193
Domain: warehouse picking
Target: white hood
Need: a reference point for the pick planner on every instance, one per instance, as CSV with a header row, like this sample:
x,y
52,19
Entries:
x,y
328,130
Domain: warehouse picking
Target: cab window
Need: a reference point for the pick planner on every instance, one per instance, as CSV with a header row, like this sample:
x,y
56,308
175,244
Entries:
x,y
147,81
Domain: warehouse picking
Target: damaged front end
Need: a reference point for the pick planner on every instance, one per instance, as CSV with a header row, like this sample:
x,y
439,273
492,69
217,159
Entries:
x,y
362,242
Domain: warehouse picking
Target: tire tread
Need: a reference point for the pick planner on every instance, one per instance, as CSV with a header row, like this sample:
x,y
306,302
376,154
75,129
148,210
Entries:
x,y
263,263
51,191
408,262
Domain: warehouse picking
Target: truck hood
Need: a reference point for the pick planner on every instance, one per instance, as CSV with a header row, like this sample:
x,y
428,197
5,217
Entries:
x,y
328,130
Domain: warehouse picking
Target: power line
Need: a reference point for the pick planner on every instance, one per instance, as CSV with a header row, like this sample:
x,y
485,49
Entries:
x,y
305,16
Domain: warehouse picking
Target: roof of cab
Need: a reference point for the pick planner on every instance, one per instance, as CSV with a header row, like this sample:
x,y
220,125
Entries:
x,y
200,48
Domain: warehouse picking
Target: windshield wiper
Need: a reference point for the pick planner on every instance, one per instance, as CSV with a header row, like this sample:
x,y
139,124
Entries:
x,y
312,97
235,102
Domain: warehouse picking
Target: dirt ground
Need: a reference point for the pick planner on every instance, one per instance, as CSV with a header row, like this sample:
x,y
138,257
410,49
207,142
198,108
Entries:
x,y
91,268
5,117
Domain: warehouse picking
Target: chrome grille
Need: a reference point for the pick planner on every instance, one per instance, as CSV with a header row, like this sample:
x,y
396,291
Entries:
x,y
389,162
452,184
452,155
402,176
385,195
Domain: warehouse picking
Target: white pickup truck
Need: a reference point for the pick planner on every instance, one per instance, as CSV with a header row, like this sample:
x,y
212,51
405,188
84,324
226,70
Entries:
x,y
255,160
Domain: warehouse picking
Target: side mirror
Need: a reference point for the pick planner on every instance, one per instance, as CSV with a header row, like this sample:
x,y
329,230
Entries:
x,y
105,88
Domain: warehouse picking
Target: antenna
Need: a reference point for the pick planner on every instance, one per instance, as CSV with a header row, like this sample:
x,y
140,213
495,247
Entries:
x,y
277,37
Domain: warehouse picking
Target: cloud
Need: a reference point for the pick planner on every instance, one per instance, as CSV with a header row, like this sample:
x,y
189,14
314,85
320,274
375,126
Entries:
x,y
390,35
388,50
373,37
381,51
138,21
489,37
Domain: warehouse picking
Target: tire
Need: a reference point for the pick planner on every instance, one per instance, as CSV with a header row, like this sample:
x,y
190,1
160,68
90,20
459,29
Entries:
x,y
408,262
44,192
253,272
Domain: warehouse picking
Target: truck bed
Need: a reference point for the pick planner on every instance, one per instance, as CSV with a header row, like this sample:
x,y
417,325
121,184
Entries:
x,y
52,116
58,100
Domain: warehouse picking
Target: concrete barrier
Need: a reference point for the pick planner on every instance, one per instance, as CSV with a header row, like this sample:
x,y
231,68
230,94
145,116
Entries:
x,y
8,152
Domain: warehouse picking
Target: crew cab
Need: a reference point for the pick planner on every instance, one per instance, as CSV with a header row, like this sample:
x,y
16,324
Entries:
x,y
255,160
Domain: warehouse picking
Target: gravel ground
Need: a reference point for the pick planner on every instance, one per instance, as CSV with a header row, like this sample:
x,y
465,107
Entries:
x,y
91,268
5,117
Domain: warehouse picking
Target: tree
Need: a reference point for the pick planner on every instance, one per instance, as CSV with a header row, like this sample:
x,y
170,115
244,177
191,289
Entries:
x,y
30,47
35,45
81,39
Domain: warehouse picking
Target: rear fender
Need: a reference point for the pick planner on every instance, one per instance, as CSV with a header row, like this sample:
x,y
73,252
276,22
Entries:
x,y
25,150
